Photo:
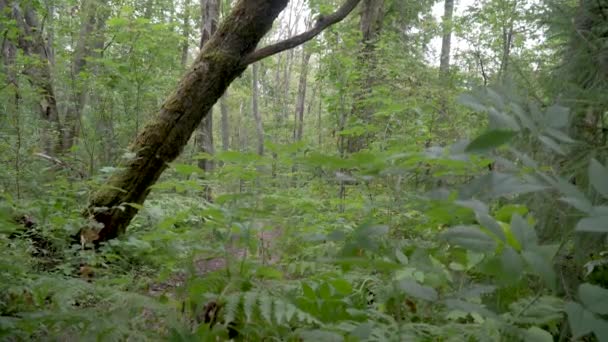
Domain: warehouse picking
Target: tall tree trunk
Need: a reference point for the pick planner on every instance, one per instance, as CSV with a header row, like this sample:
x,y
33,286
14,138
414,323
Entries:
x,y
186,33
9,53
448,11
507,42
299,113
210,11
50,31
84,46
223,58
372,15
31,41
259,126
225,123
149,9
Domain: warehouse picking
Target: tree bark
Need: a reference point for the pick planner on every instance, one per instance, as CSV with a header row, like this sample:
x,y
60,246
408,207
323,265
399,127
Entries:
x,y
507,42
223,58
31,40
225,123
444,66
92,19
372,15
299,113
186,33
210,11
259,126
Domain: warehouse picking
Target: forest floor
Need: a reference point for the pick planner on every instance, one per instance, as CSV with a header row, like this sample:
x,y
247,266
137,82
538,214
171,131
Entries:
x,y
267,252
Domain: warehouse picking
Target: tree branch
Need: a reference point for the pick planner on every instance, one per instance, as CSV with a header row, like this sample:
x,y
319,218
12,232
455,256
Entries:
x,y
322,23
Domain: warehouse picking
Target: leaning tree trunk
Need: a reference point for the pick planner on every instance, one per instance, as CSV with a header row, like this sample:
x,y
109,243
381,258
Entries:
x,y
162,140
224,57
210,11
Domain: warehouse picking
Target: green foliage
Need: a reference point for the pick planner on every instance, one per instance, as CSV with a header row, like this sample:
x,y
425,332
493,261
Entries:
x,y
463,217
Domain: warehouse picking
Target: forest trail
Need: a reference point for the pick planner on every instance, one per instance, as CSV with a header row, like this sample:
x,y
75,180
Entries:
x,y
266,253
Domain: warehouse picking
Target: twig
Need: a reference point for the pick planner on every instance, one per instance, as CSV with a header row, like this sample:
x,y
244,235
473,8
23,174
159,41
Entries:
x,y
59,163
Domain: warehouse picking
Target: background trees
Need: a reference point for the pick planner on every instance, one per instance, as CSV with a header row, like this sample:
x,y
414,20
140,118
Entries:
x,y
352,197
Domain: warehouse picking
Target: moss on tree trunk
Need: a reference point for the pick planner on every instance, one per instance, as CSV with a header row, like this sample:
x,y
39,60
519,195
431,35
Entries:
x,y
162,140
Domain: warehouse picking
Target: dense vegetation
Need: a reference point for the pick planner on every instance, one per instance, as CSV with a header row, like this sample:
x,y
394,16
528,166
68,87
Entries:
x,y
418,171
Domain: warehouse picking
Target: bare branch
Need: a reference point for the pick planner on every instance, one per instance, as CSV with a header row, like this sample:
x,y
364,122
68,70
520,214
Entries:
x,y
322,23
60,163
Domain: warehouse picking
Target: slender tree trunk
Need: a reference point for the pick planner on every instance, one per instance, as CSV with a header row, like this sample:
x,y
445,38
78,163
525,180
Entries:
x,y
89,22
319,119
210,11
299,113
31,41
149,9
162,140
186,33
507,41
444,66
372,15
225,123
50,31
259,126
9,52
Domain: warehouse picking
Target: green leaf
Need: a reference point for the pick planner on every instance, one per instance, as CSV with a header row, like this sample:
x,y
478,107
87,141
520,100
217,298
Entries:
x,y
593,224
497,184
598,176
268,273
582,204
490,140
470,237
523,232
342,286
402,258
499,119
186,169
476,205
559,135
506,212
249,301
490,224
551,144
512,264
580,320
135,205
266,308
457,304
524,117
472,102
557,116
541,266
418,291
536,334
308,292
324,291
320,336
594,298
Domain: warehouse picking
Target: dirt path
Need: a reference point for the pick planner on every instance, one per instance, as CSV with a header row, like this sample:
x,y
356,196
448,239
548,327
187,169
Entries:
x,y
267,254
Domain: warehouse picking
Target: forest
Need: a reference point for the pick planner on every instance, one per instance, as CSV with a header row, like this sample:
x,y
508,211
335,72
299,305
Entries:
x,y
304,170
